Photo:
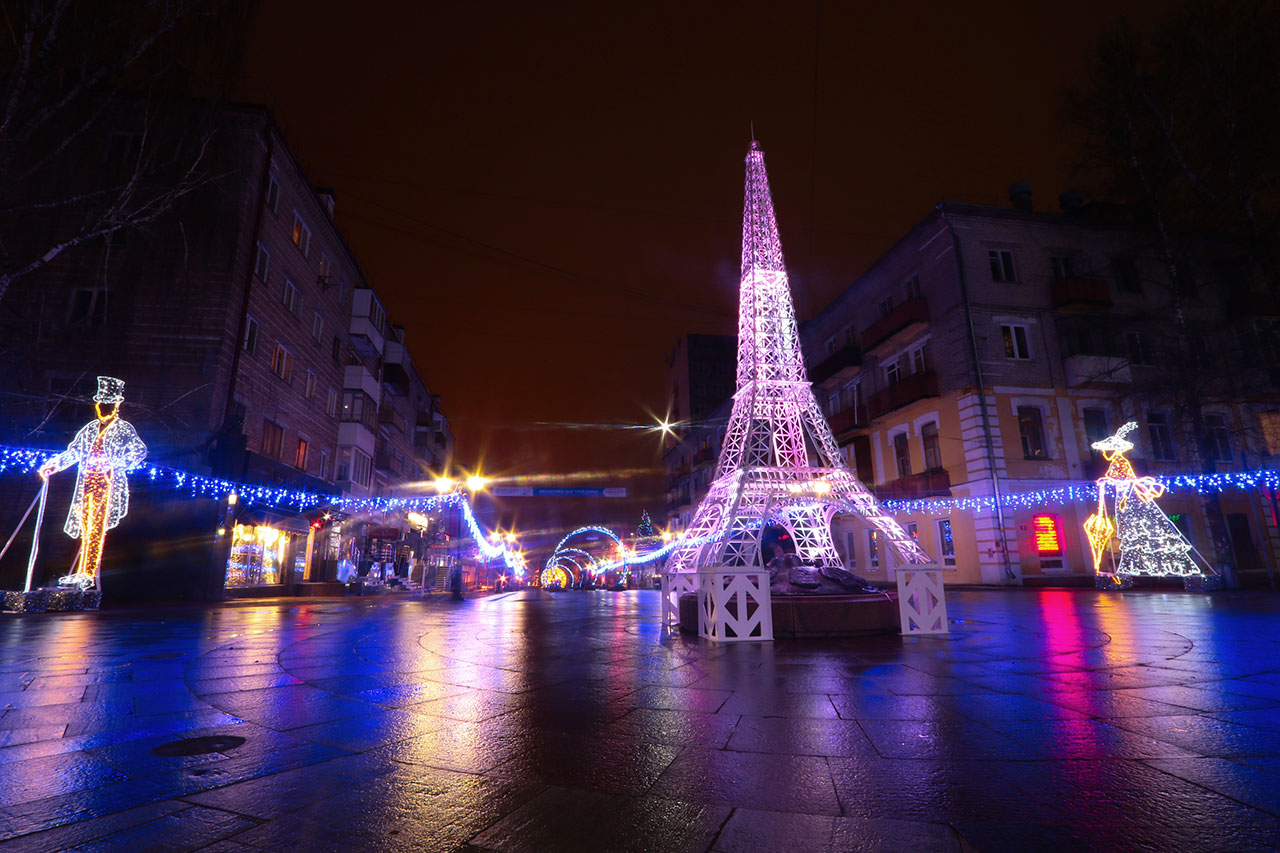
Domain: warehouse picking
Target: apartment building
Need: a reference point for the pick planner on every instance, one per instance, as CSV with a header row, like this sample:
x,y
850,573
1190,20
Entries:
x,y
253,349
985,351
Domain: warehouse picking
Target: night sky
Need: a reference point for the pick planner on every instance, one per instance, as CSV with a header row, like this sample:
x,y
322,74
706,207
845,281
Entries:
x,y
546,196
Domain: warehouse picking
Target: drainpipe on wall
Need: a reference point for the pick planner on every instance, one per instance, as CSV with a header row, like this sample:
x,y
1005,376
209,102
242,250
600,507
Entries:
x,y
982,399
269,144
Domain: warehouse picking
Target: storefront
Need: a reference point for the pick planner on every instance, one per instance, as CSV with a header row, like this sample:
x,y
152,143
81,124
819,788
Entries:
x,y
268,555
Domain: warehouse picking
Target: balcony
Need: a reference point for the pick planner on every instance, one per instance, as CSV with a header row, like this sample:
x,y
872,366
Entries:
x,y
1081,294
395,369
1096,371
903,321
388,416
356,377
935,482
850,418
841,361
705,456
917,386
352,434
367,319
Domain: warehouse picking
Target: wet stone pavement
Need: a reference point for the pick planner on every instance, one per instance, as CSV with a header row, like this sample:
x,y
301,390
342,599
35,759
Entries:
x,y
1048,720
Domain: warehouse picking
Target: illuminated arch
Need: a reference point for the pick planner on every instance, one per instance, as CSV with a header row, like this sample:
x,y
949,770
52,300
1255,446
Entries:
x,y
555,574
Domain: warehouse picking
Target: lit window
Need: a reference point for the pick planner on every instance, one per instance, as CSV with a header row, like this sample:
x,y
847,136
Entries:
x,y
1031,429
1015,342
272,439
873,543
946,543
282,363
301,235
300,455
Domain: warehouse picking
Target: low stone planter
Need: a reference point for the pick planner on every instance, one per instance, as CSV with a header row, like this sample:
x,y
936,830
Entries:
x,y
818,615
51,599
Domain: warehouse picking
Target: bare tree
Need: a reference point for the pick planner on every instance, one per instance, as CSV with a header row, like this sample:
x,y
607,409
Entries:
x,y
71,73
1179,123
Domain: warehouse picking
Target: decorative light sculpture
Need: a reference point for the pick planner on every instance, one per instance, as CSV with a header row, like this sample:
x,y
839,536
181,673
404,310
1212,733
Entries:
x,y
103,450
765,474
1150,543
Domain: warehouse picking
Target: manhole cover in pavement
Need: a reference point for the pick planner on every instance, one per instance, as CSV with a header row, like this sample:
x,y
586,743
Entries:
x,y
163,656
197,746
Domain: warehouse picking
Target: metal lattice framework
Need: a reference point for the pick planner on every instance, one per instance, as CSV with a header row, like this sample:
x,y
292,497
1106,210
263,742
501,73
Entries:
x,y
780,463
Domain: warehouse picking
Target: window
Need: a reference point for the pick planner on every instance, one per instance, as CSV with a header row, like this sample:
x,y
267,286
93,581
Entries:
x,y
1126,272
1063,267
1095,428
946,544
292,298
873,543
358,407
833,404
902,454
1161,437
848,335
919,360
892,373
88,307
317,327
358,469
831,346
331,407
251,336
1001,261
273,193
912,287
325,268
886,305
1270,422
1217,442
301,235
1031,428
1139,352
282,363
309,391
272,439
912,530
323,473
850,551
300,455
853,395
262,264
932,450
1015,342
337,349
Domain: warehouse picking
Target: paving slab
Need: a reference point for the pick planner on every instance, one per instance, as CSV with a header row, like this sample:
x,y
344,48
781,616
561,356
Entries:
x,y
1046,719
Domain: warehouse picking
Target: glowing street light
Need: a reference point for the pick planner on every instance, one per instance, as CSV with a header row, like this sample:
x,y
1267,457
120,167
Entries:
x,y
476,483
444,485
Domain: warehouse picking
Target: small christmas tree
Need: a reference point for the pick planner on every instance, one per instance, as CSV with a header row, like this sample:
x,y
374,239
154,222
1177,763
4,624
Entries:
x,y
645,530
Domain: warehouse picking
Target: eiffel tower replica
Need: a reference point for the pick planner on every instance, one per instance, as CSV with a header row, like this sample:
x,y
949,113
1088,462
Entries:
x,y
780,464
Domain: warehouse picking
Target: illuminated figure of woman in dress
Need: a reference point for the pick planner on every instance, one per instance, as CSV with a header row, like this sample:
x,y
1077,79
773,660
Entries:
x,y
104,449
1150,544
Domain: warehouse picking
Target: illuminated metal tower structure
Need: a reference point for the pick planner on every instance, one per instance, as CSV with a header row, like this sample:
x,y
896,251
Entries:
x,y
780,463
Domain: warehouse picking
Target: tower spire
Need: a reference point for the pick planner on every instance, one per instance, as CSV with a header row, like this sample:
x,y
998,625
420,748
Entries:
x,y
779,464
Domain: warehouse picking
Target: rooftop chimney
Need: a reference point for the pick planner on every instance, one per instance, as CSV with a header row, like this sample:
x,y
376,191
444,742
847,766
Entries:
x,y
1020,195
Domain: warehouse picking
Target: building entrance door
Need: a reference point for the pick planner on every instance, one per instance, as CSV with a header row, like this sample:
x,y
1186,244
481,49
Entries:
x,y
1242,549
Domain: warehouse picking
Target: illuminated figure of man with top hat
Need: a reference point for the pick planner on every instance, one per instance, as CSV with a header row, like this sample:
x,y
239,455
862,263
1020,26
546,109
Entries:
x,y
104,449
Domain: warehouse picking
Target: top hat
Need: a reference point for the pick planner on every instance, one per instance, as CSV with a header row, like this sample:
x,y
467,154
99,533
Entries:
x,y
1117,442
110,390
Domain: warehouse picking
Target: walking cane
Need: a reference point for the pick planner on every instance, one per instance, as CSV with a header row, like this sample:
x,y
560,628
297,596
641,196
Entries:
x,y
18,529
35,538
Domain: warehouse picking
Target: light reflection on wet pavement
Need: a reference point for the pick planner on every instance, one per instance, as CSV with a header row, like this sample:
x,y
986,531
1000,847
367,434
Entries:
x,y
1053,719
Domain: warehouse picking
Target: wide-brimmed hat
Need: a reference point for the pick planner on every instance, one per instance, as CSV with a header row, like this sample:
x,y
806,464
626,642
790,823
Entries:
x,y
110,390
1117,442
